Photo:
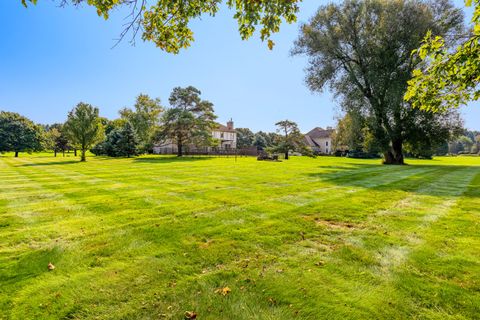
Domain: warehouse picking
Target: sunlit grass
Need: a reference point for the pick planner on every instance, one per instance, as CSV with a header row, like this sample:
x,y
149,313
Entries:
x,y
153,237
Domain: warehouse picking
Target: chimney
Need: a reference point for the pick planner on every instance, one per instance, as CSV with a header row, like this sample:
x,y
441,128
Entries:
x,y
230,125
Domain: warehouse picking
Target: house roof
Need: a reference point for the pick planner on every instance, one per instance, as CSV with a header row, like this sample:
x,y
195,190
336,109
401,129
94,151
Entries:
x,y
318,133
310,141
222,128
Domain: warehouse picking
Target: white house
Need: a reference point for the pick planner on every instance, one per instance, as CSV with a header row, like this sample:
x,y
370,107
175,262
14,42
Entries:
x,y
226,135
320,140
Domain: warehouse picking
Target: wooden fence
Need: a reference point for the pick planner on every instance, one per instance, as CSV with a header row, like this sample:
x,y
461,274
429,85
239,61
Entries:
x,y
209,151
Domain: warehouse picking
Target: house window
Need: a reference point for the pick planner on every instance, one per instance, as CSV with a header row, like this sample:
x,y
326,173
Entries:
x,y
326,144
326,150
221,135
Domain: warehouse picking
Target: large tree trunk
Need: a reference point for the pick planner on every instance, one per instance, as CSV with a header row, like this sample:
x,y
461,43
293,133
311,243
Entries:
x,y
179,149
75,152
16,154
55,152
395,154
83,157
286,155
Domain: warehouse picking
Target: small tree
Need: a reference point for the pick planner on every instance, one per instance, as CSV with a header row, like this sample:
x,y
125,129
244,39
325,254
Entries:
x,y
18,134
51,137
189,120
289,138
466,143
83,127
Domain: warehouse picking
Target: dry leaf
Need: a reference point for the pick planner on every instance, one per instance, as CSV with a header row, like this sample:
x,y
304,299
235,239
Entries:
x,y
223,291
190,315
51,266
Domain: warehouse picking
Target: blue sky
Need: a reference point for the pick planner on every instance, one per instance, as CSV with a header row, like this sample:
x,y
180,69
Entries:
x,y
52,58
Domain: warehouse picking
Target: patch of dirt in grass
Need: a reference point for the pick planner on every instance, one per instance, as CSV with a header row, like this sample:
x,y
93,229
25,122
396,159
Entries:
x,y
337,225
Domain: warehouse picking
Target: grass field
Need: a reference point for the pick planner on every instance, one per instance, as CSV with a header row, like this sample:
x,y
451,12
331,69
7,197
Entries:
x,y
153,237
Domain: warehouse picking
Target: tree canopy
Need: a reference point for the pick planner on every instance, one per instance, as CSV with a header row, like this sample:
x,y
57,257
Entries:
x,y
362,50
145,119
190,120
448,78
289,139
18,134
245,138
167,22
119,142
84,127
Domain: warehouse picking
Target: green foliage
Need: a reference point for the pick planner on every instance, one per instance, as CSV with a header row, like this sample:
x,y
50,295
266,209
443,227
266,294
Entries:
x,y
18,133
190,120
84,127
260,141
447,79
145,119
120,142
50,139
167,22
61,141
245,138
349,132
362,50
290,139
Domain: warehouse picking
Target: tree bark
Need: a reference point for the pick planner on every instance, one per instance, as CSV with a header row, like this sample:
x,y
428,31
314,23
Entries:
x,y
286,155
179,149
75,152
395,154
55,153
16,154
83,157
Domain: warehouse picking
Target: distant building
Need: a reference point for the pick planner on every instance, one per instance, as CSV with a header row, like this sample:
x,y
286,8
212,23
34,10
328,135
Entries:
x,y
226,135
320,140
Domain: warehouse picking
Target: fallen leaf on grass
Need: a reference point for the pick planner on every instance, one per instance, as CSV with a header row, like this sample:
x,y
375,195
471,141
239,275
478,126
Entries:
x,y
223,291
190,315
50,266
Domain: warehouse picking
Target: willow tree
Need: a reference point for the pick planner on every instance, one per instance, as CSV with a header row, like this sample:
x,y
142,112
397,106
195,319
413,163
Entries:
x,y
362,50
84,127
167,22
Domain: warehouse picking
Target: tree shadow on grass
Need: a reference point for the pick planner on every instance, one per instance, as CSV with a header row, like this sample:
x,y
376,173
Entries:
x,y
434,179
172,159
51,163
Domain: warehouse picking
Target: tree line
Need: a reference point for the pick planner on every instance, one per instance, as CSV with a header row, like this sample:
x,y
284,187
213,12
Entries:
x,y
189,120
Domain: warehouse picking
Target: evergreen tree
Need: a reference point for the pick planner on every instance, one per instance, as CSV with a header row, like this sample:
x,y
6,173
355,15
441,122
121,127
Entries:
x,y
127,144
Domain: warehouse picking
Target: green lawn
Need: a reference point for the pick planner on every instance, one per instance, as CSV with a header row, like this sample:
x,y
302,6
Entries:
x,y
153,237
